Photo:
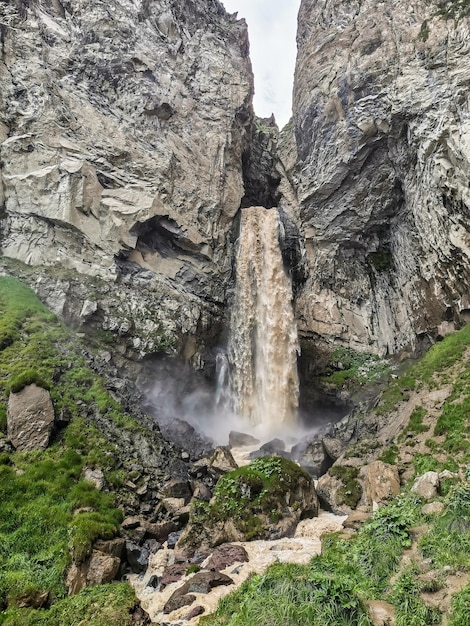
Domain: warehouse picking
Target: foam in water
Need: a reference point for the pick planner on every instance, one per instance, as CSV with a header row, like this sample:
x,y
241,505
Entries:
x,y
263,344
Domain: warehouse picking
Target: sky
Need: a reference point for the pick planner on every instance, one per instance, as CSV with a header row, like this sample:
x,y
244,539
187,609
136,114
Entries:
x,y
272,26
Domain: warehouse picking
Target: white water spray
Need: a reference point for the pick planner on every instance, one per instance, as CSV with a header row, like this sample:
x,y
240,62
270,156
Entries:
x,y
263,343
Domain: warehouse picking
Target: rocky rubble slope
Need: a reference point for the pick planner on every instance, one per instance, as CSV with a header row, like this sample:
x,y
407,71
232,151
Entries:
x,y
381,123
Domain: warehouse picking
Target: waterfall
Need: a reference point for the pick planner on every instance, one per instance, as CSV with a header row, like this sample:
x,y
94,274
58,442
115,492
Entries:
x,y
263,342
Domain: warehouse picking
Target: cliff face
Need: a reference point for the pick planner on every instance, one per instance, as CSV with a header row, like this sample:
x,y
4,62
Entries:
x,y
123,126
382,126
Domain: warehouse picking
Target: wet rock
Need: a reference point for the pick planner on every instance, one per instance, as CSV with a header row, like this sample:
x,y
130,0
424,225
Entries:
x,y
154,581
30,418
312,456
137,557
240,440
204,582
194,612
139,617
173,573
273,446
173,539
427,485
177,601
226,555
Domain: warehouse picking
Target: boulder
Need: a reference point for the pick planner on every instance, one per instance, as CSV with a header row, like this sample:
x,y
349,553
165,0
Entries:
x,y
159,530
241,440
102,568
333,447
274,446
194,612
329,490
433,508
223,461
204,582
96,477
178,488
173,573
381,613
427,485
30,418
263,500
355,520
380,483
177,601
226,555
311,455
137,557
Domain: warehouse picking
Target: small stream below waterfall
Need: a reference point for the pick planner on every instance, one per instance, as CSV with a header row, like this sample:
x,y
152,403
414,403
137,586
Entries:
x,y
299,549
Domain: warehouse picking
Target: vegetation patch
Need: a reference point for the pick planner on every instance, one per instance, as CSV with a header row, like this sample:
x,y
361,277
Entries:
x,y
251,491
105,605
48,512
439,357
351,368
351,491
331,590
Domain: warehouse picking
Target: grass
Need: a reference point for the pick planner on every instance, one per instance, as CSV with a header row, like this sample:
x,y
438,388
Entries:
x,y
248,494
331,590
439,358
351,491
105,605
356,368
448,541
48,513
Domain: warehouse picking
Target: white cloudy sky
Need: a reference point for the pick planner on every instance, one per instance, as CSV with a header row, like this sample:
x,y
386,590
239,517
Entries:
x,y
272,26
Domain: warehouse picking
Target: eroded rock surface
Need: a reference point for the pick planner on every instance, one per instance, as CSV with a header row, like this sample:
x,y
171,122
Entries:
x,y
30,418
122,130
381,122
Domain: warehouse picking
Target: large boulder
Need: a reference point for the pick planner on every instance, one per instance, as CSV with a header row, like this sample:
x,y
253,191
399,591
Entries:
x,y
263,500
30,418
427,485
380,483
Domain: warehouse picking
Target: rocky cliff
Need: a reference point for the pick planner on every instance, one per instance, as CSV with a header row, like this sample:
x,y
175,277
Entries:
x,y
123,127
382,128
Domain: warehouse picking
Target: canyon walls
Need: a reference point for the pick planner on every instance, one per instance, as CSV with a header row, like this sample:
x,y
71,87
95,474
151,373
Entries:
x,y
123,129
382,130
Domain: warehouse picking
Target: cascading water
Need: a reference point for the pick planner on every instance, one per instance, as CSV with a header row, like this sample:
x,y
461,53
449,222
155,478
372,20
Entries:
x,y
263,344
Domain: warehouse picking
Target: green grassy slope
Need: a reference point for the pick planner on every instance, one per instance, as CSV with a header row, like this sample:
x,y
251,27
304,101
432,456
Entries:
x,y
48,513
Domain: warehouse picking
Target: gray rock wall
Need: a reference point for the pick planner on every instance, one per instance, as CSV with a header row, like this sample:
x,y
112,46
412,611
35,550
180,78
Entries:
x,y
382,126
122,129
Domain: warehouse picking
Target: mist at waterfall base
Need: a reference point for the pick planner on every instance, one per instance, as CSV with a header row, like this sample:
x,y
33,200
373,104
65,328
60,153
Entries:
x,y
178,395
256,388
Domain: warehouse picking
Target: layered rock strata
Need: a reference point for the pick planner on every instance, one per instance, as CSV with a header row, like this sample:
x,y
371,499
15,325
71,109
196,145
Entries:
x,y
381,120
122,130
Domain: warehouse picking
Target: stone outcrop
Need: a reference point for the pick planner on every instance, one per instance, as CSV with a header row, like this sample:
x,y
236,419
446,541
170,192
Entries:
x,y
381,124
122,130
30,418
